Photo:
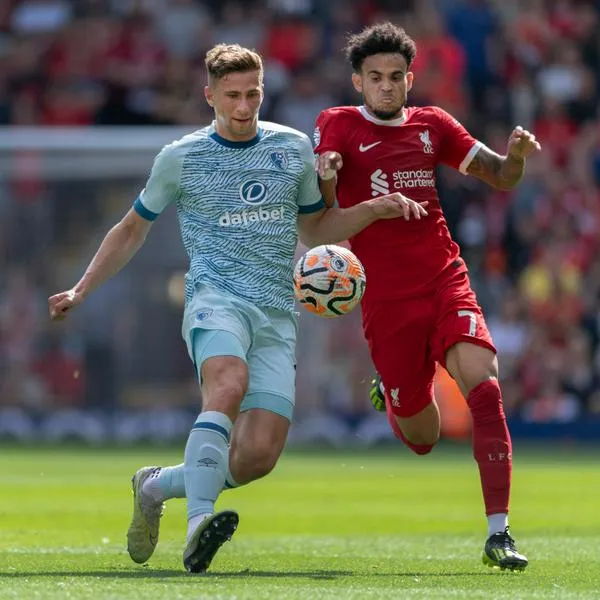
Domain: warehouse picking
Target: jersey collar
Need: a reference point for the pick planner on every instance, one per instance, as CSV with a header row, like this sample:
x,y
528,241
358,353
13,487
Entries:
x,y
392,123
229,144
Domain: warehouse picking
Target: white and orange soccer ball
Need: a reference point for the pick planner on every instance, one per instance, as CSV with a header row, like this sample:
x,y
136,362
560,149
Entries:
x,y
329,281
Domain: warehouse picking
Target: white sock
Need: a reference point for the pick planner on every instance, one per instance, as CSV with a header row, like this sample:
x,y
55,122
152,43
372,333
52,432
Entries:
x,y
194,522
497,523
153,489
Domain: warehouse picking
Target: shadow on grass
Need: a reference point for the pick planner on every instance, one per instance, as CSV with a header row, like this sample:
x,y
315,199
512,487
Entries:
x,y
246,573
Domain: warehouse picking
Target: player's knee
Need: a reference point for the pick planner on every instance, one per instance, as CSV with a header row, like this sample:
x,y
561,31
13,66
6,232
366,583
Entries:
x,y
224,382
470,365
224,395
485,372
226,400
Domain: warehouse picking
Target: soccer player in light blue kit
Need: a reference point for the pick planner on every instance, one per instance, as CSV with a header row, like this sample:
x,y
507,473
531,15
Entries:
x,y
243,189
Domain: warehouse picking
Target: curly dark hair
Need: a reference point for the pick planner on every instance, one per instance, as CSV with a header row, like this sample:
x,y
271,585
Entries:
x,y
377,39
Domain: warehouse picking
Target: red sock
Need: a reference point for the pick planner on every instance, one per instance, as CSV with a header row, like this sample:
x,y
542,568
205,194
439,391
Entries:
x,y
492,447
416,448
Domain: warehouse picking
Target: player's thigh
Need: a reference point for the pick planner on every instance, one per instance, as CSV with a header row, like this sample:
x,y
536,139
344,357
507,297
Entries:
x,y
222,368
218,337
213,310
272,365
461,330
459,318
398,336
471,364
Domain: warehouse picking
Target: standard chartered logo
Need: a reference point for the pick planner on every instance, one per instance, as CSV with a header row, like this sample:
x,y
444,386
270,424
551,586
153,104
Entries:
x,y
379,184
245,217
415,178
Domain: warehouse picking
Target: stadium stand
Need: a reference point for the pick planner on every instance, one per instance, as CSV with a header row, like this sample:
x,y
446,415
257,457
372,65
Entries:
x,y
533,253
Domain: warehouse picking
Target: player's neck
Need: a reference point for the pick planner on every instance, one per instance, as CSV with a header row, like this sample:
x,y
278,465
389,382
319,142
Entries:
x,y
398,118
229,137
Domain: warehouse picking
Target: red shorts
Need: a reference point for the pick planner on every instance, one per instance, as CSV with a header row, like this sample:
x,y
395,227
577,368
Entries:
x,y
407,338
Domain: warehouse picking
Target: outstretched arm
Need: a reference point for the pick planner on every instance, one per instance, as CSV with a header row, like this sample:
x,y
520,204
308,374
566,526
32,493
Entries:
x,y
333,225
117,249
504,172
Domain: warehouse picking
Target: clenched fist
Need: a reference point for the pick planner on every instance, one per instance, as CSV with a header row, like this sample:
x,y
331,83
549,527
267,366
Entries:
x,y
522,143
60,304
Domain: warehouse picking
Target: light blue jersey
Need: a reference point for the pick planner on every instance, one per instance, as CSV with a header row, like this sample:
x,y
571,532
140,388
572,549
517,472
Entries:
x,y
237,204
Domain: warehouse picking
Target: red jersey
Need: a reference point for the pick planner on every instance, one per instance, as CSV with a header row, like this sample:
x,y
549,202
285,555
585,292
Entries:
x,y
402,259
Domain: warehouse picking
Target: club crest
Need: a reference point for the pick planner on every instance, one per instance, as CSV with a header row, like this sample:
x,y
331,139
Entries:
x,y
280,159
317,136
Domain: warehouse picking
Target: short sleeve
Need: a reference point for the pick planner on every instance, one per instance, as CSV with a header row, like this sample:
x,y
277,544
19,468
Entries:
x,y
161,187
327,136
458,146
309,195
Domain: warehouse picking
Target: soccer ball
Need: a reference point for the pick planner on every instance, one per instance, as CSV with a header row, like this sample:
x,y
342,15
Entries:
x,y
329,281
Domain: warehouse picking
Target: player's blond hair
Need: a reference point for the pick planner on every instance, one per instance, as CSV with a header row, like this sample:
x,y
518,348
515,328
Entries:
x,y
231,58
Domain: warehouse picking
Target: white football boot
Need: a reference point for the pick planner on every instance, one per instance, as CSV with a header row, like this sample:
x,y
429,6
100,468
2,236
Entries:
x,y
142,535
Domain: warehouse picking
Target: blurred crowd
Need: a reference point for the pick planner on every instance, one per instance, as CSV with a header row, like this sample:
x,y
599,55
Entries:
x,y
533,253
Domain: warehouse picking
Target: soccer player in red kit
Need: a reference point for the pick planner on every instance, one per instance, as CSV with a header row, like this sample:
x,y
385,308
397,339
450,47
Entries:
x,y
419,307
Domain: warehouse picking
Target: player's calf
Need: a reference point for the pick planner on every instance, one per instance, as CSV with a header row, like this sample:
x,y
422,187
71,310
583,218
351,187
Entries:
x,y
418,447
420,432
251,465
257,442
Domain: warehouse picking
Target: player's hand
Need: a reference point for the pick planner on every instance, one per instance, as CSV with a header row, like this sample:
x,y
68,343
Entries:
x,y
328,164
397,205
522,143
60,304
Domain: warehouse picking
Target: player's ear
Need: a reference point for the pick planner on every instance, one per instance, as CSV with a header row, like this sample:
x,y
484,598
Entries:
x,y
209,95
409,80
357,82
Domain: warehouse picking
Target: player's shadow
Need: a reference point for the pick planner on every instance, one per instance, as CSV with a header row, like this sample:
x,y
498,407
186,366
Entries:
x,y
173,573
332,574
246,573
316,574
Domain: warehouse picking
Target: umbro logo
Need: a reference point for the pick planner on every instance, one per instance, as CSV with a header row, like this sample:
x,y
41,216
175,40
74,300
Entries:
x,y
365,148
207,462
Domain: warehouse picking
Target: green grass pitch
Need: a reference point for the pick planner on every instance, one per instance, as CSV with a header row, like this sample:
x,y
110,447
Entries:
x,y
340,525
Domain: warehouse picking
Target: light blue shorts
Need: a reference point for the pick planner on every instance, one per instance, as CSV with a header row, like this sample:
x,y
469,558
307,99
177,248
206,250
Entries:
x,y
219,324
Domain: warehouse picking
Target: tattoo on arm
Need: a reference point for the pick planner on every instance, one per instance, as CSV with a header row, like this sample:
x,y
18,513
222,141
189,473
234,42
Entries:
x,y
501,172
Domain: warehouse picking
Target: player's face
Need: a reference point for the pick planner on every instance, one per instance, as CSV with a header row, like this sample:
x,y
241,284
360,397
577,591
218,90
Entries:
x,y
384,81
236,98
